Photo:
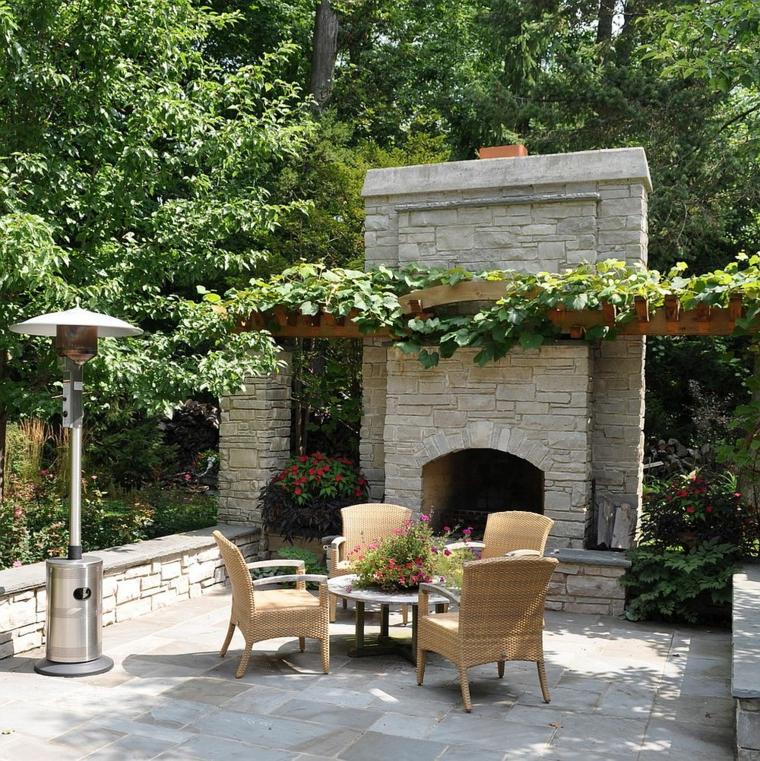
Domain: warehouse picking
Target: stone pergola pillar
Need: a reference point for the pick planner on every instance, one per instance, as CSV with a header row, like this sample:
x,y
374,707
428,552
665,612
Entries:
x,y
254,443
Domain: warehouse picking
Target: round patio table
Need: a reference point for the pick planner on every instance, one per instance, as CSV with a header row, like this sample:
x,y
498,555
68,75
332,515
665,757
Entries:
x,y
383,644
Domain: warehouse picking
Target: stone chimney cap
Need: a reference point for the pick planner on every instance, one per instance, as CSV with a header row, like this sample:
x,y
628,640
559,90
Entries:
x,y
609,165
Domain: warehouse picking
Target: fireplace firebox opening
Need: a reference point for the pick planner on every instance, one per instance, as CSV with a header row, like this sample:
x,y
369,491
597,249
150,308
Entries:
x,y
463,487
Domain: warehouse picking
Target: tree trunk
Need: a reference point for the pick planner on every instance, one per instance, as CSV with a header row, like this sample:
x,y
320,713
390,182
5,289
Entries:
x,y
606,14
324,52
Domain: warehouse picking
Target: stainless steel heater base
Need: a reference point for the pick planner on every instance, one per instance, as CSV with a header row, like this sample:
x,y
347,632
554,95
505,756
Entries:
x,y
74,618
88,668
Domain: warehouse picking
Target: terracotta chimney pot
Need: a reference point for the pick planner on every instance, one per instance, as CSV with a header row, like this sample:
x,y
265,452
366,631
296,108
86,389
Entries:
x,y
503,151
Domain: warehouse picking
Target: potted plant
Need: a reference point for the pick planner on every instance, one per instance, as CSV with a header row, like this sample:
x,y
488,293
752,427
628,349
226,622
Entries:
x,y
302,502
409,557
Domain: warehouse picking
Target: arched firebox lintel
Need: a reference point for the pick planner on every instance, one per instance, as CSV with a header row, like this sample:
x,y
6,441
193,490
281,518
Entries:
x,y
484,434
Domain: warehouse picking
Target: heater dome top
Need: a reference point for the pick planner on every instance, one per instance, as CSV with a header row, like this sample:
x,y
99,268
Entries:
x,y
46,324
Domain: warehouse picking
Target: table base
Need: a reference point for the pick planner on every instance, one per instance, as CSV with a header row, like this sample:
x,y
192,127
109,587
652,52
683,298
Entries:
x,y
383,643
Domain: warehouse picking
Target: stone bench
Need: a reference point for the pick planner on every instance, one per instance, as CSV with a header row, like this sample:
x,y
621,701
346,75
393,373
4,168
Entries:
x,y
745,666
138,578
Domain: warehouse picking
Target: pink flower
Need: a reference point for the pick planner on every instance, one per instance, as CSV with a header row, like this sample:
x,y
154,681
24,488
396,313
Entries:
x,y
447,552
17,564
187,476
467,531
447,529
424,518
737,494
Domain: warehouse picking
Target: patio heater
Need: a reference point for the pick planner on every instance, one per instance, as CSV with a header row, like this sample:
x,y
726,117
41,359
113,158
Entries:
x,y
74,583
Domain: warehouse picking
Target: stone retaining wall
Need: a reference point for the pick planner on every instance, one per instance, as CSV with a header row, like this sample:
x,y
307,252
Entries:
x,y
745,656
138,578
588,581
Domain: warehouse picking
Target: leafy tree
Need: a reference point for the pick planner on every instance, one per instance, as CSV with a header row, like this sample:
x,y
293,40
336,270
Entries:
x,y
135,173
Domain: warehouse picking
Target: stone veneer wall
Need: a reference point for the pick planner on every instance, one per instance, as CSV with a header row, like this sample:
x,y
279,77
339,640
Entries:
x,y
588,581
533,404
745,661
138,578
534,213
254,443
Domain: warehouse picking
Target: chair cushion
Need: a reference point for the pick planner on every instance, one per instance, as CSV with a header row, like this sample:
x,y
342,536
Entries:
x,y
447,621
278,599
343,565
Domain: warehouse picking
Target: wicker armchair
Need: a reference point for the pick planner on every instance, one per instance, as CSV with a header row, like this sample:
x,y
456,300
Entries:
x,y
500,618
272,613
509,532
362,524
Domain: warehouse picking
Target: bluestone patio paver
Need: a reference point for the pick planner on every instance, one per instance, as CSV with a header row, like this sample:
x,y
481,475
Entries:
x,y
621,692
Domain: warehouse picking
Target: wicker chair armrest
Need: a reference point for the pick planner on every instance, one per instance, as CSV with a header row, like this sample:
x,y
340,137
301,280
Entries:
x,y
465,546
437,589
317,578
333,552
523,554
277,563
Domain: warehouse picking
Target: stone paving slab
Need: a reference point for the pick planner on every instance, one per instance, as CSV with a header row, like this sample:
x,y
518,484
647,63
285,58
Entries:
x,y
620,692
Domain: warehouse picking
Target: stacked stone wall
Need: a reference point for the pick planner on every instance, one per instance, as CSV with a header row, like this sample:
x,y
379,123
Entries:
x,y
160,574
533,404
254,443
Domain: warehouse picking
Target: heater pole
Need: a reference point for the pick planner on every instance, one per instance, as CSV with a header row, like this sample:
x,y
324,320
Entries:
x,y
72,418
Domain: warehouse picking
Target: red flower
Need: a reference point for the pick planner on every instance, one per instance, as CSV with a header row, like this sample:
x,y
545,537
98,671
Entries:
x,y
302,458
312,471
682,493
298,490
339,477
709,509
358,493
690,508
737,494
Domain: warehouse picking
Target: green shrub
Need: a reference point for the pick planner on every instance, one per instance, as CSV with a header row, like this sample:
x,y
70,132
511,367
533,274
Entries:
x,y
694,530
312,562
34,520
679,585
304,499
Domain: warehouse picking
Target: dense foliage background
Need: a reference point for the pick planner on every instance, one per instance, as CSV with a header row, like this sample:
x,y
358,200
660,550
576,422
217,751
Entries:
x,y
156,151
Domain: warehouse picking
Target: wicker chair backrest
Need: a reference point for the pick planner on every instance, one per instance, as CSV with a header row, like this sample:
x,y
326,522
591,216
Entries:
x,y
502,597
515,530
369,522
240,578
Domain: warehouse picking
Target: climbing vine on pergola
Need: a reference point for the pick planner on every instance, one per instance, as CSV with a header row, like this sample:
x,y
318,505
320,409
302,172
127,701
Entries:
x,y
433,312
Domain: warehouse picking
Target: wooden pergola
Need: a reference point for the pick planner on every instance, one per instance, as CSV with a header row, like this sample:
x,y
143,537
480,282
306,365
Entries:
x,y
670,319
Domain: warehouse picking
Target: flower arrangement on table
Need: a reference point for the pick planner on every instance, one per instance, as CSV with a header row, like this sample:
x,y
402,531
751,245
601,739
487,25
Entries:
x,y
411,556
304,499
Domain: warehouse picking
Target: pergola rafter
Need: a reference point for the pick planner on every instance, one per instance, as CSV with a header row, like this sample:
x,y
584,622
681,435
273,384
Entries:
x,y
668,319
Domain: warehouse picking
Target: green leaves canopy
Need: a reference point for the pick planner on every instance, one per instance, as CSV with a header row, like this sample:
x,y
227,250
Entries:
x,y
134,168
520,316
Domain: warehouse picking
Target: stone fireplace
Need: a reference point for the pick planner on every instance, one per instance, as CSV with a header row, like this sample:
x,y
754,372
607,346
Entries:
x,y
553,430
550,429
460,488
